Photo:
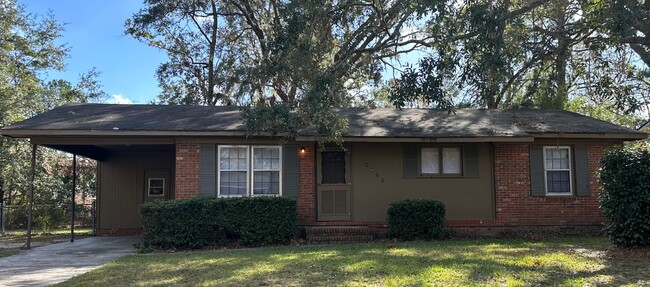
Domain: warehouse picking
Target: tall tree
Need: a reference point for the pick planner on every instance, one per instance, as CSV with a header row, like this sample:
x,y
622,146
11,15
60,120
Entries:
x,y
623,22
28,50
226,51
528,53
303,53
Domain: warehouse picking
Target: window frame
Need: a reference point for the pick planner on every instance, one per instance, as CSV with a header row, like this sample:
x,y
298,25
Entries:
x,y
250,183
149,187
248,170
441,173
252,170
570,170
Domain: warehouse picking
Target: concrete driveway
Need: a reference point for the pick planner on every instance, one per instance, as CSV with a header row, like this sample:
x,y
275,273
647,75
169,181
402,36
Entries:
x,y
51,264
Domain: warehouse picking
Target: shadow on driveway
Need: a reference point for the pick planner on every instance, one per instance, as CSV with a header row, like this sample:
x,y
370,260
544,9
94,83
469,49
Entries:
x,y
59,262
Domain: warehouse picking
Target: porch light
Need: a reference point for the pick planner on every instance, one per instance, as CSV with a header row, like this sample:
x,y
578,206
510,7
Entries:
x,y
302,149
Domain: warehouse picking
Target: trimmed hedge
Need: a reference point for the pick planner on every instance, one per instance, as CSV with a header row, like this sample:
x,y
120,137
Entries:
x,y
625,199
413,219
200,222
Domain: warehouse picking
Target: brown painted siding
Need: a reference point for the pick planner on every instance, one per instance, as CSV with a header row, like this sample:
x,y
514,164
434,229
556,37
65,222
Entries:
x,y
121,187
465,198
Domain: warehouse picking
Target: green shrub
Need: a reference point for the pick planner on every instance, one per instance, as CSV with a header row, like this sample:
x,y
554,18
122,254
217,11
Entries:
x,y
417,219
625,199
199,222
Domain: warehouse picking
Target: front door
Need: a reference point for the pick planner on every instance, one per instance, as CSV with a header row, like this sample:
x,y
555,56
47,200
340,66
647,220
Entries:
x,y
334,185
156,184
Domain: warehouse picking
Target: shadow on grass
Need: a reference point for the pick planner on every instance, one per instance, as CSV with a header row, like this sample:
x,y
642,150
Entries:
x,y
454,263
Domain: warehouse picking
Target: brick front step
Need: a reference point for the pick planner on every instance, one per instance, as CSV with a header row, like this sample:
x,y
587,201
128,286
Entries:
x,y
339,234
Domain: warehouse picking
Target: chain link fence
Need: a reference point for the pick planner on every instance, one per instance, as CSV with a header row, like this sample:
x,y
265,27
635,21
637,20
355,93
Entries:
x,y
46,217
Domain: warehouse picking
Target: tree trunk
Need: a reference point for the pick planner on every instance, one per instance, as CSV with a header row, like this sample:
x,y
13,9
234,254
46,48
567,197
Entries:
x,y
562,57
210,97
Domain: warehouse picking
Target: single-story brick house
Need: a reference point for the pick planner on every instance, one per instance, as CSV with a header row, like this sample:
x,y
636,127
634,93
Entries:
x,y
495,170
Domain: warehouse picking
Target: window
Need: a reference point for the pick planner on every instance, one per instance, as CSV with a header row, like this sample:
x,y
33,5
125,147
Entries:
x,y
245,170
557,167
441,161
333,167
233,170
156,187
266,170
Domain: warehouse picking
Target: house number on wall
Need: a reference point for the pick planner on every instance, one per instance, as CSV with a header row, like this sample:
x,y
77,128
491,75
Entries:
x,y
372,170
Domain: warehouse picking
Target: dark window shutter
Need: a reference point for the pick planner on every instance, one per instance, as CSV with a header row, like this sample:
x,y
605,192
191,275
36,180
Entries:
x,y
410,160
582,170
290,171
537,184
207,171
470,160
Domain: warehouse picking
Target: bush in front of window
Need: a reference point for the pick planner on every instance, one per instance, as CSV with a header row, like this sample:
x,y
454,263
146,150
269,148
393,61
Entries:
x,y
200,222
625,199
414,219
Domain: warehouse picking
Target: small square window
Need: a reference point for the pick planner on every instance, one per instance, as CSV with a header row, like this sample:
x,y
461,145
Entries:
x,y
441,161
156,187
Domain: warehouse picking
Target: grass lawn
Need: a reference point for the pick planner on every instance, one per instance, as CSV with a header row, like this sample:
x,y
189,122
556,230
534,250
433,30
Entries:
x,y
583,261
12,240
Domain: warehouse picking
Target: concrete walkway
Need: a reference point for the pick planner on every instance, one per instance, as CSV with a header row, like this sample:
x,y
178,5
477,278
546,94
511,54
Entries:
x,y
51,264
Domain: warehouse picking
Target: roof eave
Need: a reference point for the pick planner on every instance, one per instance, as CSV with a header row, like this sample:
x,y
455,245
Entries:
x,y
429,139
621,136
16,133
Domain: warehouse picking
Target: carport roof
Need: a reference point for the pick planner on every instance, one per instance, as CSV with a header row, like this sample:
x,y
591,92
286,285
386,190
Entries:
x,y
164,120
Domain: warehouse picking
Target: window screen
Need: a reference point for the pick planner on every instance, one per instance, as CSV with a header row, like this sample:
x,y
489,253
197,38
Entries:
x,y
333,167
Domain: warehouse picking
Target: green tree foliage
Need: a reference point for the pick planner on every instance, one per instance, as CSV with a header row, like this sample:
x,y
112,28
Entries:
x,y
302,53
624,22
28,50
625,199
530,53
311,57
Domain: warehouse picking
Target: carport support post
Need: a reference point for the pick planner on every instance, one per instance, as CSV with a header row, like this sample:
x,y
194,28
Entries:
x,y
28,245
74,191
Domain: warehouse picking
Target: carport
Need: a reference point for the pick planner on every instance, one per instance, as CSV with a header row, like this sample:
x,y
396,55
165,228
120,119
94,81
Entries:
x,y
126,161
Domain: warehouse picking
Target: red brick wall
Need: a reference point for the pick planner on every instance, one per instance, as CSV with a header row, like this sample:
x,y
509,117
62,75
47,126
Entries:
x,y
516,207
306,204
187,170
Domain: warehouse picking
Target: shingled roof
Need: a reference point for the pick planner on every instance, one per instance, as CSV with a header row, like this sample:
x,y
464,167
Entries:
x,y
158,120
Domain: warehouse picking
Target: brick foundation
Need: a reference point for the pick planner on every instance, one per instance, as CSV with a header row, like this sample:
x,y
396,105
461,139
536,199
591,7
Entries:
x,y
187,171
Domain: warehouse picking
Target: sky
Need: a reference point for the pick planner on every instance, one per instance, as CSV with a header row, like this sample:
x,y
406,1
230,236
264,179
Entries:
x,y
94,32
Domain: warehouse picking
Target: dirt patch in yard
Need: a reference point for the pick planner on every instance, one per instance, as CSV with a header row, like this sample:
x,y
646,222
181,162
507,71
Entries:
x,y
631,253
